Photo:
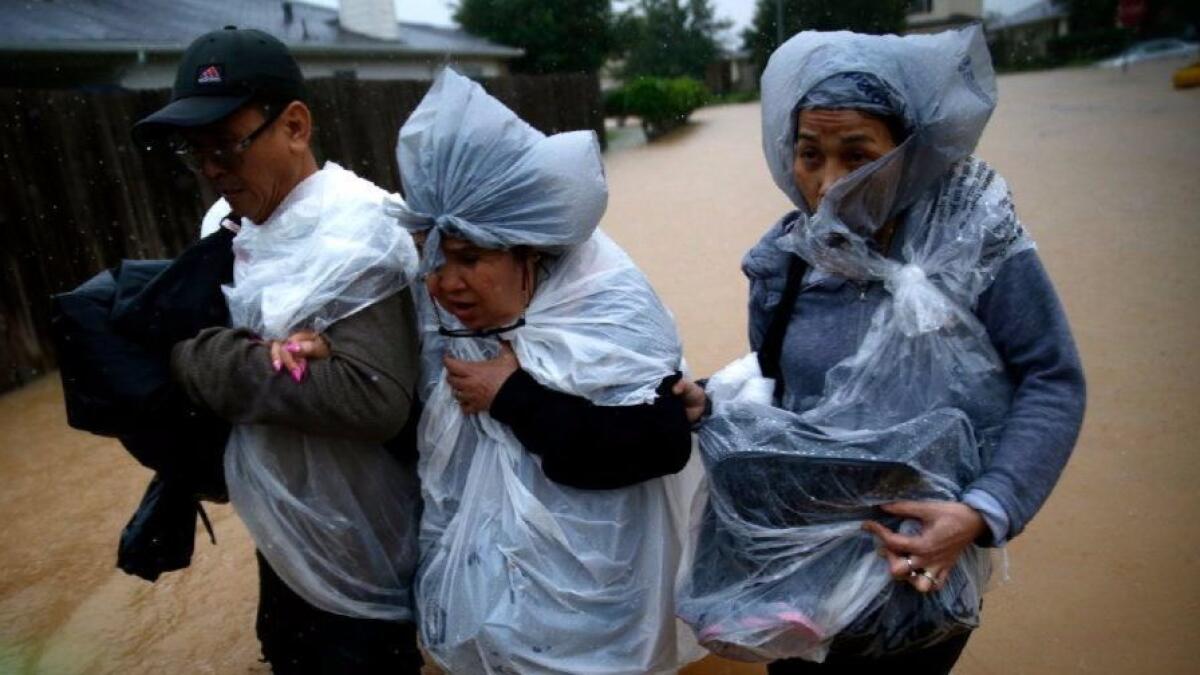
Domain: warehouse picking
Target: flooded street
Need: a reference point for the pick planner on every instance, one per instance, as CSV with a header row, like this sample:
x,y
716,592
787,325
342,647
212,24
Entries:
x,y
1105,169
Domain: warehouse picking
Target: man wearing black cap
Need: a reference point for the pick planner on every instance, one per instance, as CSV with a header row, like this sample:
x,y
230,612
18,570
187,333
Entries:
x,y
238,118
232,87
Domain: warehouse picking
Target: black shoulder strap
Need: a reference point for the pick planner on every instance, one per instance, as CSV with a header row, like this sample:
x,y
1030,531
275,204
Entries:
x,y
772,345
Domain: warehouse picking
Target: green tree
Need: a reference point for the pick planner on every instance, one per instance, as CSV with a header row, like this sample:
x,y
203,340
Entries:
x,y
557,35
668,38
862,16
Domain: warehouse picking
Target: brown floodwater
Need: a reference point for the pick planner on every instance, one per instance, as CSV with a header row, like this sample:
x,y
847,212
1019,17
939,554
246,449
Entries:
x,y
1105,168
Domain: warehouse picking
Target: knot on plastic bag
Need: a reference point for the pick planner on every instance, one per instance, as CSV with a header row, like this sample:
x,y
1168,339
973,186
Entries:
x,y
920,307
908,275
454,225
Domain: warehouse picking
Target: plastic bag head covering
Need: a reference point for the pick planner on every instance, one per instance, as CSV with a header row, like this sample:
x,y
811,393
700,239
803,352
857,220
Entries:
x,y
782,567
941,87
472,169
336,518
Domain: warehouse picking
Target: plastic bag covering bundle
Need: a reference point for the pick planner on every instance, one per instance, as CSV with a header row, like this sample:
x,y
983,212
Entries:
x,y
335,518
782,567
520,574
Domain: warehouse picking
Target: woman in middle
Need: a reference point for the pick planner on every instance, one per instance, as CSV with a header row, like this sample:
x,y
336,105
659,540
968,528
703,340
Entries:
x,y
550,537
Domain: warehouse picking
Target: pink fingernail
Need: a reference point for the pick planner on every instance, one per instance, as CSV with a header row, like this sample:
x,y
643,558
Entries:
x,y
292,347
277,364
296,373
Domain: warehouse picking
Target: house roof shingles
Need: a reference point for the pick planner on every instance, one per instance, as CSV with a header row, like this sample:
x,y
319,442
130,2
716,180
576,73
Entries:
x,y
170,25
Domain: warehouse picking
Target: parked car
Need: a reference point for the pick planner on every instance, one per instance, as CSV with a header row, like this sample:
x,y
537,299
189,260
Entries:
x,y
1162,48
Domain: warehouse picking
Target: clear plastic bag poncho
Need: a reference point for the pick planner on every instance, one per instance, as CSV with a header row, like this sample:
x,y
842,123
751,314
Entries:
x,y
782,566
520,574
336,518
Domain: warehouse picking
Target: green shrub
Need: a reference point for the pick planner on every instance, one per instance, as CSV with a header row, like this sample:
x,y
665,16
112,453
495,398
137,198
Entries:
x,y
663,104
615,105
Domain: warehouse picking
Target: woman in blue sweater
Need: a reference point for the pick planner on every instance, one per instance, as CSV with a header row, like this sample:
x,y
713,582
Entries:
x,y
901,295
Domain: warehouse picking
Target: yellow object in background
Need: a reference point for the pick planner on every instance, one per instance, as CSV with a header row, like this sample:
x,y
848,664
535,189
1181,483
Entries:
x,y
1188,76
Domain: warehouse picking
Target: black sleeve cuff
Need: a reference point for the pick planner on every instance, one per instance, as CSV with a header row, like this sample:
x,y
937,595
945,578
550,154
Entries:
x,y
515,400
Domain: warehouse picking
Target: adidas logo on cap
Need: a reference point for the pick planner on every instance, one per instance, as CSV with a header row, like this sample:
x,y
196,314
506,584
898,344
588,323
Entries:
x,y
210,75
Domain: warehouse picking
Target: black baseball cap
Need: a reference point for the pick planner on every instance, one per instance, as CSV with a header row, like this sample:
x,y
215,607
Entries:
x,y
220,72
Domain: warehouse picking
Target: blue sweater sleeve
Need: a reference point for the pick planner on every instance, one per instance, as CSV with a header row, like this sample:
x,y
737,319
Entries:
x,y
1029,330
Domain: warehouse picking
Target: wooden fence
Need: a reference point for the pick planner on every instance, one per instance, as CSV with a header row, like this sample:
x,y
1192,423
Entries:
x,y
77,196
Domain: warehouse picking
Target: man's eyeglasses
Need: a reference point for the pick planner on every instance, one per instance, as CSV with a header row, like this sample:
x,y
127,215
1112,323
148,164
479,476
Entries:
x,y
227,156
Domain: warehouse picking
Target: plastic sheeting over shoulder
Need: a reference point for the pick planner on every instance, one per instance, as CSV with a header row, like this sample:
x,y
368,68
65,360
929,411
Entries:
x,y
926,348
328,251
335,518
782,568
472,169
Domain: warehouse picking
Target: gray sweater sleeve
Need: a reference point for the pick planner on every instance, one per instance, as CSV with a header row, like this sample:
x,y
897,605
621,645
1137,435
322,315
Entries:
x,y
363,391
1029,329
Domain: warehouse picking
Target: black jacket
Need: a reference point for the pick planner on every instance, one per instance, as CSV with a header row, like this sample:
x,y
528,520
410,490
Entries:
x,y
113,335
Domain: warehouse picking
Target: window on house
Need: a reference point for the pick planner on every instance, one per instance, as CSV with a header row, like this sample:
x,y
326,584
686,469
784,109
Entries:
x,y
920,6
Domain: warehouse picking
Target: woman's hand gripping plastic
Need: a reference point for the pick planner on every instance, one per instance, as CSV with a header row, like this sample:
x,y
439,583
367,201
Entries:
x,y
925,559
476,383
